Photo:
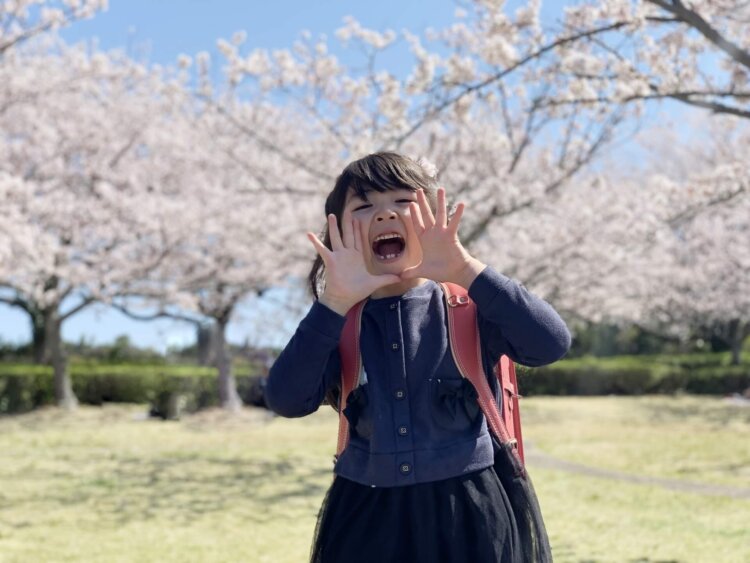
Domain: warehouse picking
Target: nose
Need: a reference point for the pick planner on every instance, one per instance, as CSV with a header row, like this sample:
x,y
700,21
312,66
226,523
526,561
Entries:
x,y
385,214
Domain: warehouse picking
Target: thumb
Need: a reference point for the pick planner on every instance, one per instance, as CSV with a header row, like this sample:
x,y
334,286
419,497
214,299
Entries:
x,y
319,247
387,279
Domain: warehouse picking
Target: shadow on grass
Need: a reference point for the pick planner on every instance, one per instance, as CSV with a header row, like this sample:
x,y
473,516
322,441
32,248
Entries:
x,y
638,560
567,552
181,489
712,412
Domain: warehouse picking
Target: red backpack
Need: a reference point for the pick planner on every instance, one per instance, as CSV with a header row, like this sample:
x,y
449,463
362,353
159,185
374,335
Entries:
x,y
464,343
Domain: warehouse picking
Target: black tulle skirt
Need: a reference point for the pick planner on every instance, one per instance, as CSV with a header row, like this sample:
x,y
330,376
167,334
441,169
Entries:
x,y
465,519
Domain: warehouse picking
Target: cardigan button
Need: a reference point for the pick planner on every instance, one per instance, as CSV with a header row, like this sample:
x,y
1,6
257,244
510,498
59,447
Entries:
x,y
402,430
405,468
393,306
399,394
394,345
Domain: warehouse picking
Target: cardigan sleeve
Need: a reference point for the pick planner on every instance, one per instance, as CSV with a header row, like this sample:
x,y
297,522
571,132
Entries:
x,y
308,366
515,322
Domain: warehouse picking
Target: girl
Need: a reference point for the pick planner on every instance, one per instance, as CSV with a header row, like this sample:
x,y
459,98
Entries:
x,y
416,482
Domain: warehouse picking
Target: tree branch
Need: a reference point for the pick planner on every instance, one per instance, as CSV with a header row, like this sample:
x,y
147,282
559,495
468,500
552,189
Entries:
x,y
69,16
160,314
503,73
715,107
495,212
271,146
692,212
694,20
684,97
85,303
15,302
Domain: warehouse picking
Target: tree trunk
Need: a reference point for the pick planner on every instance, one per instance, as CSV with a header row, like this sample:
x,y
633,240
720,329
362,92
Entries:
x,y
206,344
40,319
228,395
738,331
64,395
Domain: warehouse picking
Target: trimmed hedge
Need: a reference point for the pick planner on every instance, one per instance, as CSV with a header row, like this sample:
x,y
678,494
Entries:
x,y
169,390
636,375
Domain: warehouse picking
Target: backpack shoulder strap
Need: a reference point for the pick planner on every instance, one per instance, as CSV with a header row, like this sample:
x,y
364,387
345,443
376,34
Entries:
x,y
351,365
505,370
463,334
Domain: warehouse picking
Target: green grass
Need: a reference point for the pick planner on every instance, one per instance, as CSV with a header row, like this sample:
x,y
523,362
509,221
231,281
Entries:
x,y
690,438
107,485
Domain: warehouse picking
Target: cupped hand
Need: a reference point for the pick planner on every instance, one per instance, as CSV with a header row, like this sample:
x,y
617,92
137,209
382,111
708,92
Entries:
x,y
347,279
443,256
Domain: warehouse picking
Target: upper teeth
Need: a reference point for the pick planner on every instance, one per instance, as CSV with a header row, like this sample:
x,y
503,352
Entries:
x,y
387,236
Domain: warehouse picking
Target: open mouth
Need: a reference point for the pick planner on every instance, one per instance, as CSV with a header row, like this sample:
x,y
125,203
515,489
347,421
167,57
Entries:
x,y
388,246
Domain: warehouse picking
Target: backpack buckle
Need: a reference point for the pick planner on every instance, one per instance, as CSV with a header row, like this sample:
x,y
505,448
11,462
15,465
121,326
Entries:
x,y
458,300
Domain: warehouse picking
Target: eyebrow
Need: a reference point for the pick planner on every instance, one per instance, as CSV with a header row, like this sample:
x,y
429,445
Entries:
x,y
357,197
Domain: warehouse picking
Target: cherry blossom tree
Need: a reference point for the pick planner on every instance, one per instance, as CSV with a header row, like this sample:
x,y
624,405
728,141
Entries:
x,y
661,246
81,176
126,186
700,266
252,173
232,222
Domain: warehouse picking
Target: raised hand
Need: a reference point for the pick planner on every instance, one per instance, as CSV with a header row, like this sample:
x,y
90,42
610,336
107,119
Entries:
x,y
443,256
347,278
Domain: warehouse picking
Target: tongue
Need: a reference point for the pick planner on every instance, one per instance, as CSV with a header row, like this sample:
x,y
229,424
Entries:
x,y
389,247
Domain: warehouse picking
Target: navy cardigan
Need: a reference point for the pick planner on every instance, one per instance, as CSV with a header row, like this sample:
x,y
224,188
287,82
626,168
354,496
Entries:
x,y
413,418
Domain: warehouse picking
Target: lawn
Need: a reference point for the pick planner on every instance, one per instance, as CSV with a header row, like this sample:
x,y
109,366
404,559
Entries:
x,y
106,484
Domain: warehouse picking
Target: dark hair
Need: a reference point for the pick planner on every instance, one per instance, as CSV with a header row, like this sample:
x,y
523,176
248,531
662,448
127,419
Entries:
x,y
381,172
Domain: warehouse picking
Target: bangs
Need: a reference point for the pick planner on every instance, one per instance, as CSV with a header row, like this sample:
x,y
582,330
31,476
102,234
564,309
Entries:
x,y
384,172
361,187
380,172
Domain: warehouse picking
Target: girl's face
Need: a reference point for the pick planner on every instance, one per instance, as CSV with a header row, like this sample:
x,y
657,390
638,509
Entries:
x,y
390,242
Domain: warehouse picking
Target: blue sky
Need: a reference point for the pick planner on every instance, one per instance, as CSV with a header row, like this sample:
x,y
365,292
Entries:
x,y
162,29
158,31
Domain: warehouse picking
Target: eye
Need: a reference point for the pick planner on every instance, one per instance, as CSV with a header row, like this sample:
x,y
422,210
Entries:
x,y
364,206
404,200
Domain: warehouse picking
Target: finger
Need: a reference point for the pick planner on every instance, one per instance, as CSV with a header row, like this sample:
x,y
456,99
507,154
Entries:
x,y
364,240
413,229
357,235
456,218
427,217
416,218
319,247
333,232
441,216
346,225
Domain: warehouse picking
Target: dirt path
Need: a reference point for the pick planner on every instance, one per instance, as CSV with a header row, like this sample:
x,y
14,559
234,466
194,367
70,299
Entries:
x,y
535,458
